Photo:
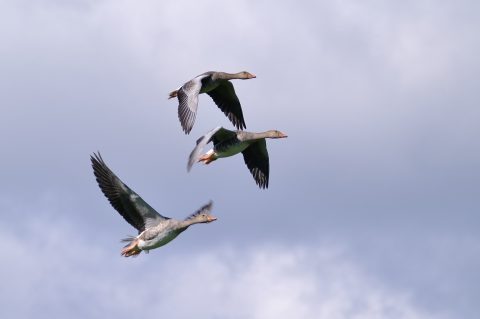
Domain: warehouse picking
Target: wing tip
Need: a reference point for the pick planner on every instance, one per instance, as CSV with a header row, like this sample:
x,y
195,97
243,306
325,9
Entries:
x,y
208,206
186,120
190,165
262,184
240,125
97,161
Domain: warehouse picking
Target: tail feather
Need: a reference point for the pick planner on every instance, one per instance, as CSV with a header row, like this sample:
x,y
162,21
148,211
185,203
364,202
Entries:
x,y
172,94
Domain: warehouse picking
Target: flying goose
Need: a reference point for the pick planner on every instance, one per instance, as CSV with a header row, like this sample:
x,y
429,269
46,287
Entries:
x,y
154,230
228,143
220,89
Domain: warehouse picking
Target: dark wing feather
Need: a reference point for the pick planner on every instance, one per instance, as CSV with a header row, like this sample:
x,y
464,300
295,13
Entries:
x,y
125,201
223,135
205,209
256,159
226,99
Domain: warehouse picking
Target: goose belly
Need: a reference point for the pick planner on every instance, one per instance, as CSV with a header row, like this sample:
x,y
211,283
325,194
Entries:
x,y
158,241
231,149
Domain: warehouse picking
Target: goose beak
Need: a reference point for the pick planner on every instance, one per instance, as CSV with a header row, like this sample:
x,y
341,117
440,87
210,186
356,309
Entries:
x,y
211,219
283,135
252,76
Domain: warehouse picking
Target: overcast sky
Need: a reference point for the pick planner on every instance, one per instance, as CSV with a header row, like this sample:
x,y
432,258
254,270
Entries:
x,y
373,209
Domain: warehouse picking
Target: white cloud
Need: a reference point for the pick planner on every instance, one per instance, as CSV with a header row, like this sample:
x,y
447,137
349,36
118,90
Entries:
x,y
51,270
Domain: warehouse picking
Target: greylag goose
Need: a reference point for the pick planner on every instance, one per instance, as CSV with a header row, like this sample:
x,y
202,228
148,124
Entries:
x,y
220,89
154,230
228,143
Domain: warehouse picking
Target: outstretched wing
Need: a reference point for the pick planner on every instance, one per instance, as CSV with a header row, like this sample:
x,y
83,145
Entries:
x,y
218,133
126,202
188,102
226,99
205,209
256,159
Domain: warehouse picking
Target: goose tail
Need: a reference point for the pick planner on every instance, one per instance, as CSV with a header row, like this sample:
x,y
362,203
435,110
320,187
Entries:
x,y
172,94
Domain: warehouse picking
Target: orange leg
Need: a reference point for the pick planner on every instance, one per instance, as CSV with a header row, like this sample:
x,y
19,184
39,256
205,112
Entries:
x,y
131,250
207,158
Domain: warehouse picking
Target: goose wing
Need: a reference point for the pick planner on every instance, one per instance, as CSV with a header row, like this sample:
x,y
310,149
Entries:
x,y
125,201
256,159
217,134
188,102
225,98
205,209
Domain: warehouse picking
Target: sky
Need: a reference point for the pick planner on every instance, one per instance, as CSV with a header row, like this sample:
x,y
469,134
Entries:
x,y
373,203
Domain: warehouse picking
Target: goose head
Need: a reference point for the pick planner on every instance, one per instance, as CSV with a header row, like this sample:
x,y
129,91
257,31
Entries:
x,y
202,217
276,134
244,75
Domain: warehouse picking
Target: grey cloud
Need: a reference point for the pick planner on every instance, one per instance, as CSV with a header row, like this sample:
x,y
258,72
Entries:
x,y
56,271
379,102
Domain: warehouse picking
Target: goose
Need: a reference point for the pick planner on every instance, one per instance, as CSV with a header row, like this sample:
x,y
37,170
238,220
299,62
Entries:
x,y
154,230
228,143
220,89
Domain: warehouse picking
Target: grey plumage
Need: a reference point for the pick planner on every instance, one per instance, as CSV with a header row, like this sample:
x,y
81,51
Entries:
x,y
228,143
125,201
218,86
154,230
